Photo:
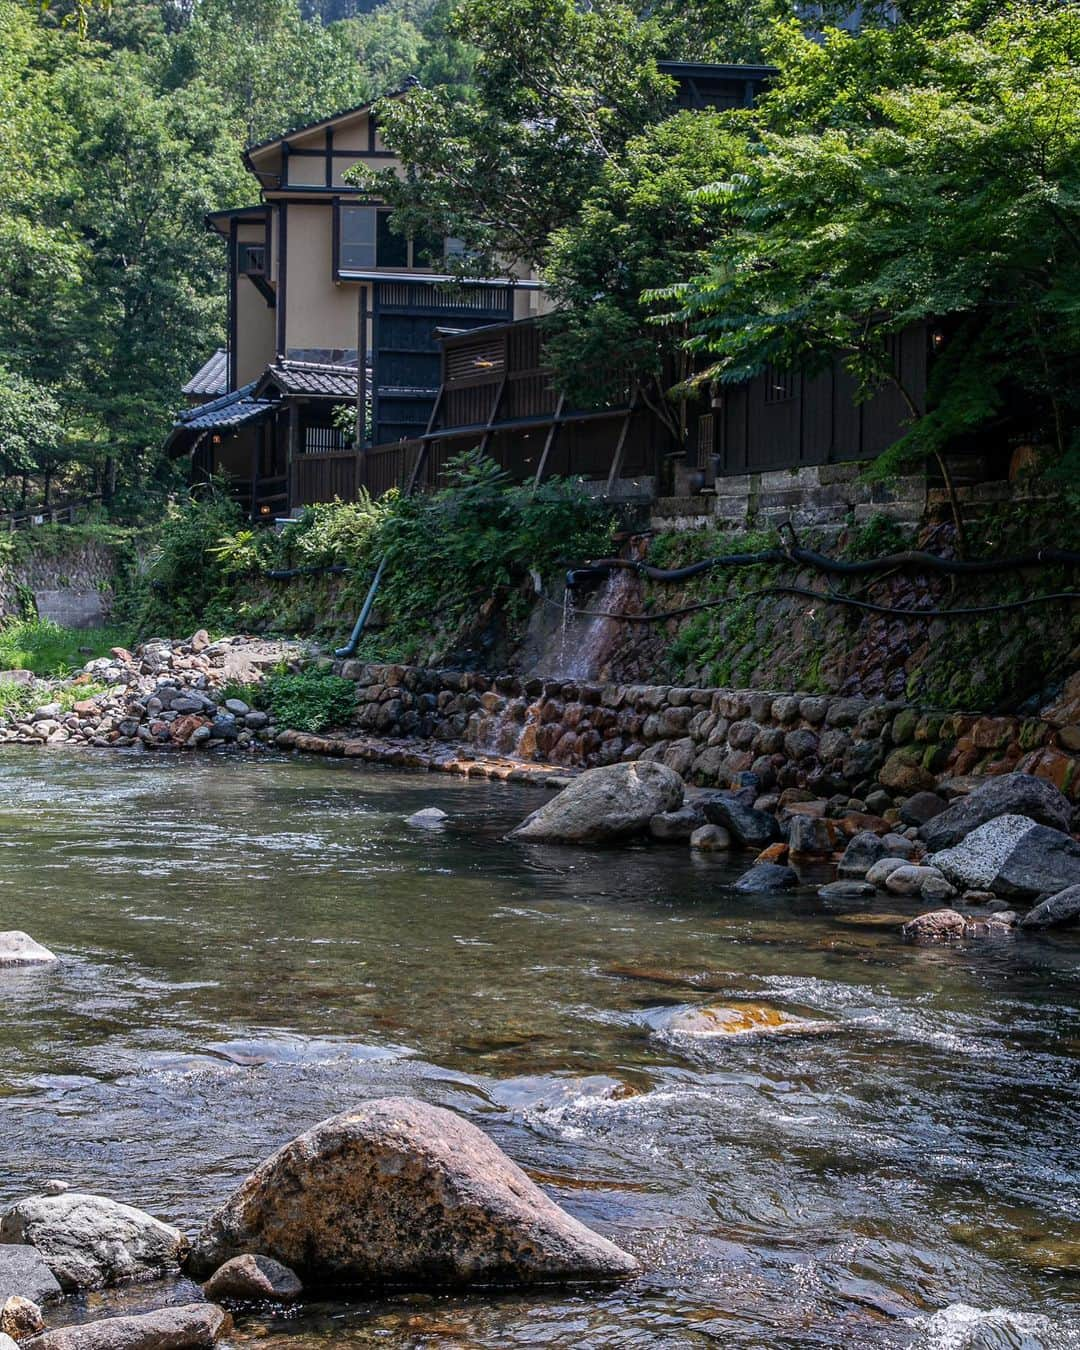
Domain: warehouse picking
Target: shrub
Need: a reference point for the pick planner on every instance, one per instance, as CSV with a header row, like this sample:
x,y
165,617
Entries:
x,y
47,649
310,701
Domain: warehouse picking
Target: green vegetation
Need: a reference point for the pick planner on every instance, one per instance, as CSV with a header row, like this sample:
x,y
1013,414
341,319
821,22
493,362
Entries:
x,y
47,649
447,553
312,700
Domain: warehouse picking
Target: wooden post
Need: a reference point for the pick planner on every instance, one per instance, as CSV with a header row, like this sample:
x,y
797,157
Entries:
x,y
294,453
255,447
549,441
361,392
620,447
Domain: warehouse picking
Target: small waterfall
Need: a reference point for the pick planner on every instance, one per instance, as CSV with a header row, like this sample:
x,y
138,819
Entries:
x,y
585,648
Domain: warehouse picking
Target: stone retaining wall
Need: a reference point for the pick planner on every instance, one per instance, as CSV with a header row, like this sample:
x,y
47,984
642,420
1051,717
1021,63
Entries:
x,y
827,745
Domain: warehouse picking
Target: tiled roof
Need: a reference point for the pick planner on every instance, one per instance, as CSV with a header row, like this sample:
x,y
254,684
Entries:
x,y
212,379
310,377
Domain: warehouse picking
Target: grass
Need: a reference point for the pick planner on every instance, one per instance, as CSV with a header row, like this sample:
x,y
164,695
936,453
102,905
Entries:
x,y
47,649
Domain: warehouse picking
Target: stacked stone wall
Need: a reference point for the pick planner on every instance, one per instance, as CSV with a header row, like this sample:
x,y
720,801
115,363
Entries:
x,y
824,744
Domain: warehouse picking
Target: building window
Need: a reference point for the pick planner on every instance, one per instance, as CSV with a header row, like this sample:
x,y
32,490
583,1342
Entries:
x,y
251,259
366,241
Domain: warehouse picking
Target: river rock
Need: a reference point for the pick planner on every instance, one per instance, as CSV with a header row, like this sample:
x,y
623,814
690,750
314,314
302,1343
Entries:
x,y
88,1241
766,877
677,826
6,1343
430,818
846,890
1013,794
1055,911
20,1317
883,869
921,807
941,925
748,827
253,1279
398,1193
897,846
1043,862
811,835
24,1274
191,1326
711,839
19,949
735,1019
860,855
608,803
909,879
977,859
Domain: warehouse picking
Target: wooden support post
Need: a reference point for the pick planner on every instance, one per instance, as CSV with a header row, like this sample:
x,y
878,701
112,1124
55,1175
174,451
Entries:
x,y
493,415
293,468
620,447
256,445
549,441
361,393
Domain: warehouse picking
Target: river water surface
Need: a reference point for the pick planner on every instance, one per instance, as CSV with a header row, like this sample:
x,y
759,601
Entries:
x,y
250,946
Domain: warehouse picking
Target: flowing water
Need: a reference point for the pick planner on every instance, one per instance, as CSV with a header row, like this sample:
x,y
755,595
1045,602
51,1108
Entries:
x,y
249,946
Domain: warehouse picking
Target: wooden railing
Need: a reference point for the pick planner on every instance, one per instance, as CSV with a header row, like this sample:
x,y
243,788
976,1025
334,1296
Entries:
x,y
46,515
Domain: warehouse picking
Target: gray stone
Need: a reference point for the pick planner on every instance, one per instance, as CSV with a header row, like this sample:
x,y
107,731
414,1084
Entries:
x,y
430,818
23,1273
767,877
1055,911
89,1241
677,826
253,1279
909,880
750,828
935,887
237,707
223,727
978,858
1015,794
402,1194
897,846
883,869
256,720
604,804
19,949
711,839
860,855
192,1326
921,807
810,834
1043,862
846,890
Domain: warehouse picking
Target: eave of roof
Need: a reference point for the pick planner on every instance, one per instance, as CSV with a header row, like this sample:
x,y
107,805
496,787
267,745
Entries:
x,y
322,122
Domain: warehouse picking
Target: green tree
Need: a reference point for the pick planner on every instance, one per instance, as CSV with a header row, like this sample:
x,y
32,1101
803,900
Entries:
x,y
900,176
644,226
506,167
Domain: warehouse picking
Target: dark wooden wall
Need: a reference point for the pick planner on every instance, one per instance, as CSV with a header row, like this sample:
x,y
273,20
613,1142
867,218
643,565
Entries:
x,y
784,419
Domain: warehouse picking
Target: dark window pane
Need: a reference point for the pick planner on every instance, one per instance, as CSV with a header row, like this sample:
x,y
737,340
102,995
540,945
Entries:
x,y
392,249
357,249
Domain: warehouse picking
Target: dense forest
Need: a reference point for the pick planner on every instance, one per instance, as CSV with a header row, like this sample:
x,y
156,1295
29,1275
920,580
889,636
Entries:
x,y
924,164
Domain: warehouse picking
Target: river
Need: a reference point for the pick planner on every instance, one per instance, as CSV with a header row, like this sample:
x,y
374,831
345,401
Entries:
x,y
251,945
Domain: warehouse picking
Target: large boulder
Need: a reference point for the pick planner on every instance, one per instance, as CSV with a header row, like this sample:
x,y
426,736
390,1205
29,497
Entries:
x,y
1042,862
1055,911
400,1194
1013,794
746,825
191,1326
89,1241
604,804
977,859
23,1273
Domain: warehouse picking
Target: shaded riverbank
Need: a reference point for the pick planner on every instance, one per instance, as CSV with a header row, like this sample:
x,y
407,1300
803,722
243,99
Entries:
x,y
250,945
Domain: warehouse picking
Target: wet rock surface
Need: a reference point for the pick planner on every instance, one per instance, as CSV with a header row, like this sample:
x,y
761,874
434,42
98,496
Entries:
x,y
89,1241
253,1279
1056,911
1013,794
20,949
195,1326
402,1194
765,877
24,1274
605,804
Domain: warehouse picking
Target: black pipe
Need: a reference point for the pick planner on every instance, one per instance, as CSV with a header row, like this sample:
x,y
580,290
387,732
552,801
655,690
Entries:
x,y
287,573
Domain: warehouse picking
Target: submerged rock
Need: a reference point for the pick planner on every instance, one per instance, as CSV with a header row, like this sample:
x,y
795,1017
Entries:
x,y
730,1019
23,1273
430,818
846,890
765,877
711,839
749,827
89,1241
677,826
1055,911
253,1279
401,1194
940,925
1013,794
192,1326
612,802
860,855
20,949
